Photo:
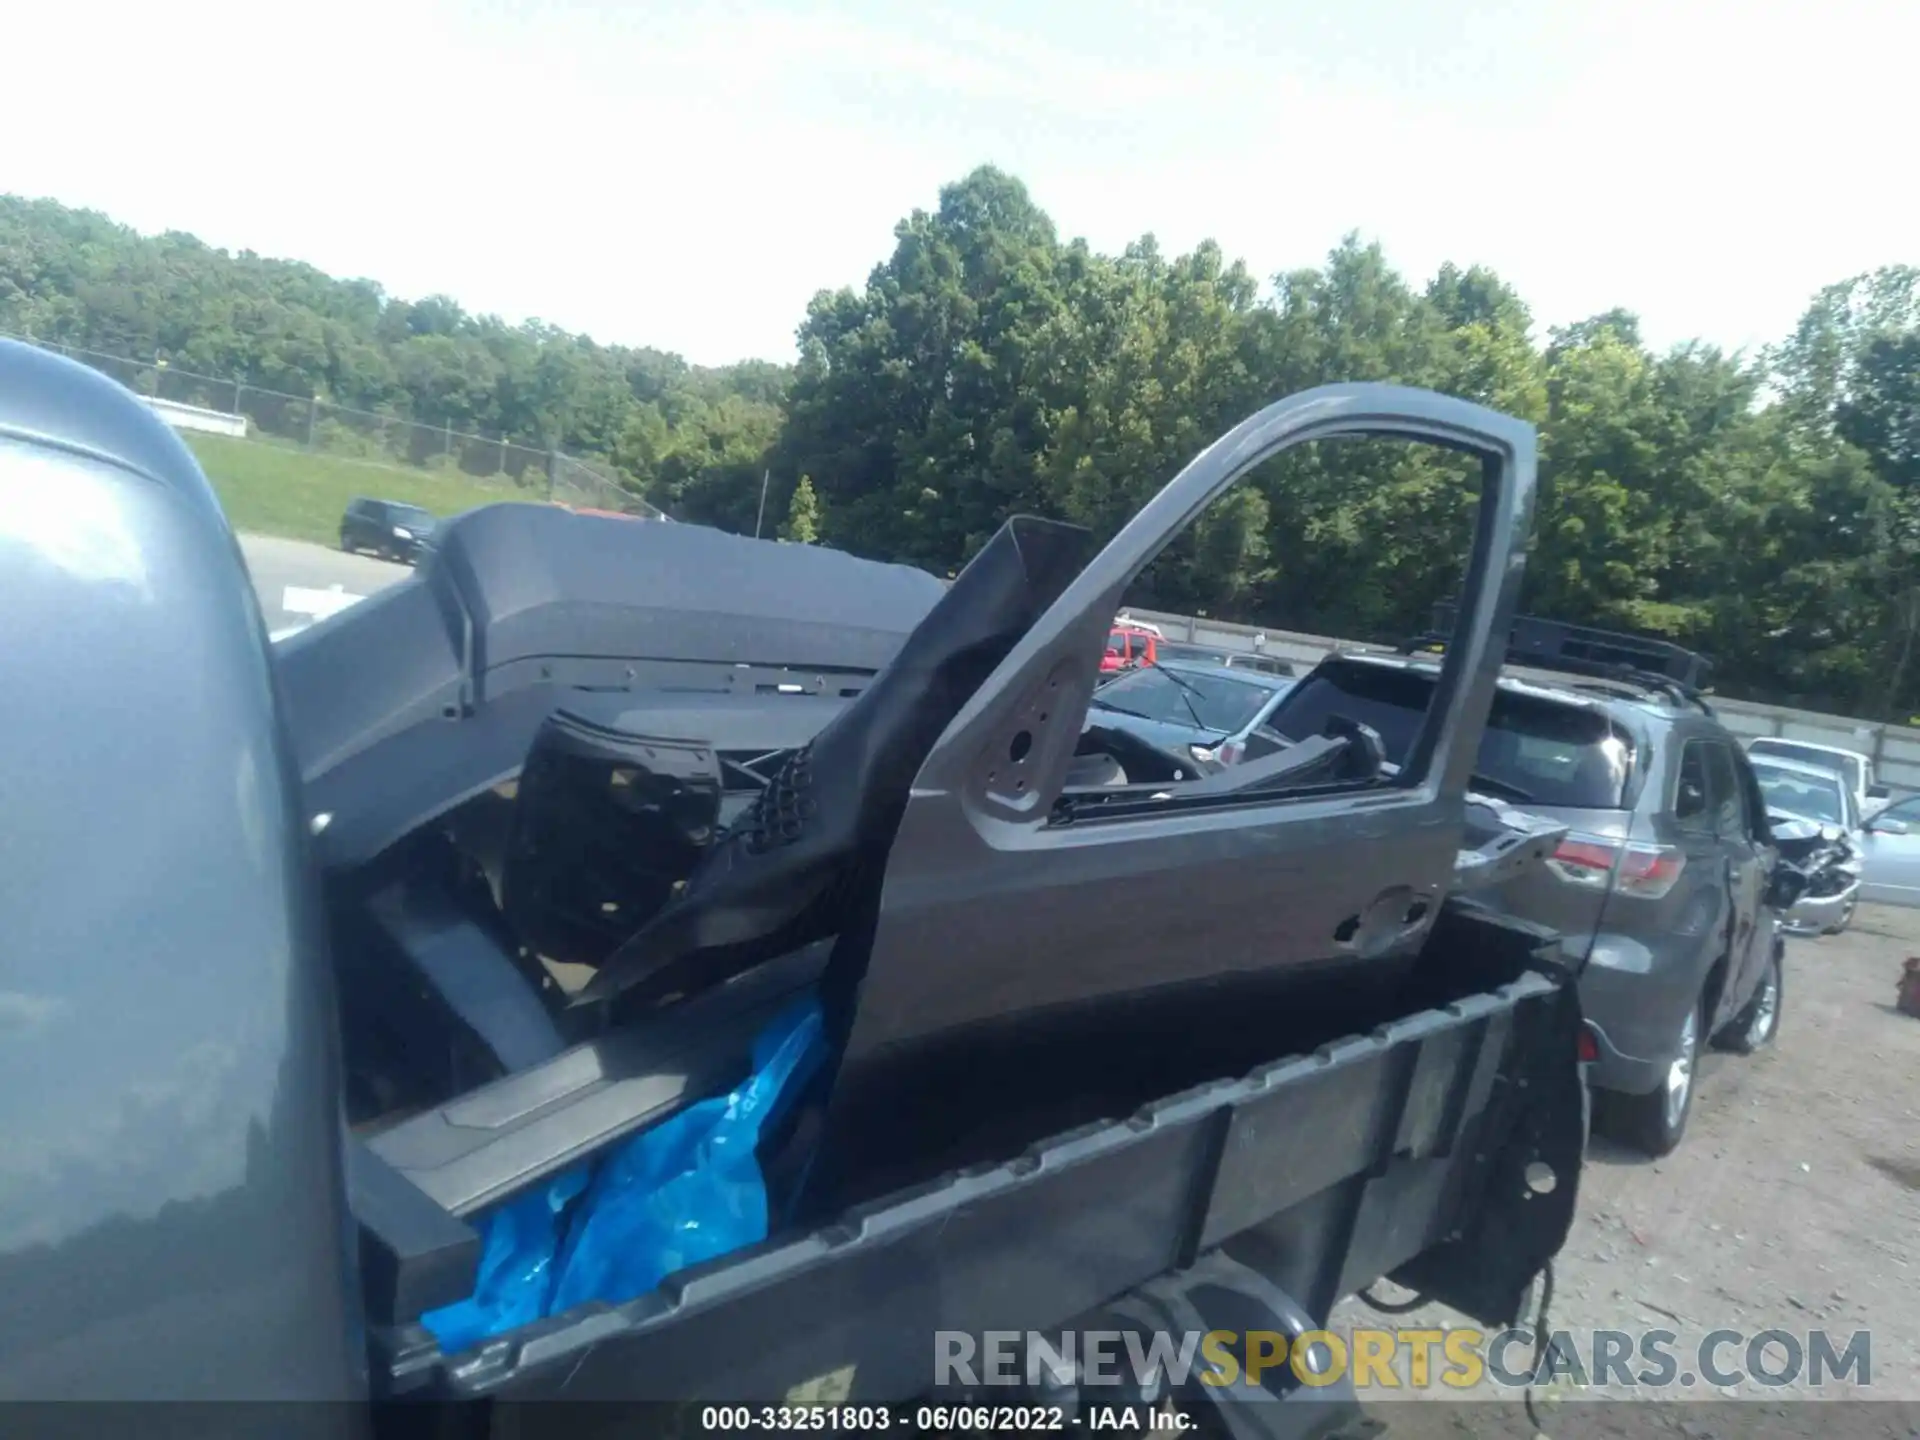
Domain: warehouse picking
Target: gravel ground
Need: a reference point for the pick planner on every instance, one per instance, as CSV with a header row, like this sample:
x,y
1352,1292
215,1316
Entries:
x,y
1793,1204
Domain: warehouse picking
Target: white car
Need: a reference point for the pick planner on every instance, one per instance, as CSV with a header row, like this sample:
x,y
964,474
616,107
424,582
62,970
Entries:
x,y
1811,812
1856,770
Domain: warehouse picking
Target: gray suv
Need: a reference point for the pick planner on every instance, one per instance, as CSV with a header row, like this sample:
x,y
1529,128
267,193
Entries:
x,y
1665,888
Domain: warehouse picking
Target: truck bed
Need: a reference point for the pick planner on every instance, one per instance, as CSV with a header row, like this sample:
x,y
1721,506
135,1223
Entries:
x,y
1402,1151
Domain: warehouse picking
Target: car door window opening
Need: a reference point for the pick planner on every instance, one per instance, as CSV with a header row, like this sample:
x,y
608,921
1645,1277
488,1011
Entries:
x,y
1727,802
1907,812
1693,800
1190,726
1160,692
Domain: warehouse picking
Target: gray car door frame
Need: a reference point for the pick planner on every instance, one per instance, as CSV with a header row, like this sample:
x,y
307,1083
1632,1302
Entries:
x,y
1748,861
989,909
1702,908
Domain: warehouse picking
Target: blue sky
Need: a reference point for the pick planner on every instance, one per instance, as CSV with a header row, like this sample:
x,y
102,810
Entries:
x,y
687,175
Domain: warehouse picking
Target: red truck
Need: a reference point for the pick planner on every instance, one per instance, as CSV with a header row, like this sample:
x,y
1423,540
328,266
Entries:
x,y
1129,644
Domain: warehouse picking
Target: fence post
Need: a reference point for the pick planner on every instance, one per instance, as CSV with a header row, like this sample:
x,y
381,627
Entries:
x,y
313,414
553,467
236,394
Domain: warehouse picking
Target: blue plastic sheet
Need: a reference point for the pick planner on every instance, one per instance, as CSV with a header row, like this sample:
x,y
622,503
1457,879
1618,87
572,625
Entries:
x,y
515,1281
687,1190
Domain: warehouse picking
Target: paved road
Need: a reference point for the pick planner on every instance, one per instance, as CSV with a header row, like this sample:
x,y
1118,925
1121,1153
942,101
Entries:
x,y
280,566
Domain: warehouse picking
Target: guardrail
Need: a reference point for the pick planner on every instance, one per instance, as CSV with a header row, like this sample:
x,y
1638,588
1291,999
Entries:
x,y
1894,749
196,417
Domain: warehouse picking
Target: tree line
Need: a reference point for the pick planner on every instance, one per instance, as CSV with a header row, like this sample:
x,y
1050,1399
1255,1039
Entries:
x,y
1762,508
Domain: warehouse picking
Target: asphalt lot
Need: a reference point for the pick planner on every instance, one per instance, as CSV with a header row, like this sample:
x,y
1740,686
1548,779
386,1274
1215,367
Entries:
x,y
1792,1205
280,566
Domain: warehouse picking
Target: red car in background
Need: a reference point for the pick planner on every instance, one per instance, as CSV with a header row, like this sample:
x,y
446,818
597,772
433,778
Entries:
x,y
1129,644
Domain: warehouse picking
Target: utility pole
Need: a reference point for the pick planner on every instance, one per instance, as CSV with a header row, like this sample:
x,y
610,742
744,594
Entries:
x,y
758,520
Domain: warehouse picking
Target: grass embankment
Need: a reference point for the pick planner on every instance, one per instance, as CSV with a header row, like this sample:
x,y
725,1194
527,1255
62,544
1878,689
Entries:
x,y
270,489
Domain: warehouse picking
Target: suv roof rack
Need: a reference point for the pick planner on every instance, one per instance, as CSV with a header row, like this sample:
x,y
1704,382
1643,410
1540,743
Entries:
x,y
1611,656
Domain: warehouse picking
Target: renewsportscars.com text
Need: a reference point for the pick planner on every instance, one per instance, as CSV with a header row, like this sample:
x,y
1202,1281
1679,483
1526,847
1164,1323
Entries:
x,y
1463,1358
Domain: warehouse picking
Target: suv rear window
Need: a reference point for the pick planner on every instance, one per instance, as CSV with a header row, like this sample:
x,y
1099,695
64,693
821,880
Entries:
x,y
1559,755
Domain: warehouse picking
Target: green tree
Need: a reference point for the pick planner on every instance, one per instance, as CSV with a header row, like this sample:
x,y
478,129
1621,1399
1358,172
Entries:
x,y
78,279
1764,509
803,514
922,406
1849,414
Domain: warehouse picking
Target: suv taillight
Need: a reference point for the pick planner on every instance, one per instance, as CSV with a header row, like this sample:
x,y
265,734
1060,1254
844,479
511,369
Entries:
x,y
1648,871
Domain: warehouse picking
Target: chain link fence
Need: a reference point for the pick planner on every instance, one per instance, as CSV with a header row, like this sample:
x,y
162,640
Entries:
x,y
389,441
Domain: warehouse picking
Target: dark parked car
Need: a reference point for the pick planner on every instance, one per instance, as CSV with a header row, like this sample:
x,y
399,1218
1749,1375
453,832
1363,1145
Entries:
x,y
1198,712
1662,888
389,528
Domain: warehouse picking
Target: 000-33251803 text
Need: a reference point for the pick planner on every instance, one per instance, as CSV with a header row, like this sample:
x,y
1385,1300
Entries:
x,y
799,1419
